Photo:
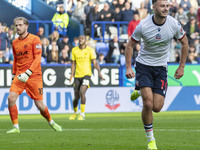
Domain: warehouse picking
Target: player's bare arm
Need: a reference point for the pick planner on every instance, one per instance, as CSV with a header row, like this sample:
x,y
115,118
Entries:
x,y
184,52
96,65
73,66
128,55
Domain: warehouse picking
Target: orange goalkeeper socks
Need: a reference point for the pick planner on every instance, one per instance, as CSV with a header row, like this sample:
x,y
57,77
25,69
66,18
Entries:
x,y
13,114
46,114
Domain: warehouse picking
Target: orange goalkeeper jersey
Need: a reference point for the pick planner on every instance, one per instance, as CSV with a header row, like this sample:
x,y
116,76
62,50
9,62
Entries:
x,y
27,54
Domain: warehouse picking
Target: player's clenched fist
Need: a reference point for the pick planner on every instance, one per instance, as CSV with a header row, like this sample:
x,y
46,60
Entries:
x,y
24,76
130,73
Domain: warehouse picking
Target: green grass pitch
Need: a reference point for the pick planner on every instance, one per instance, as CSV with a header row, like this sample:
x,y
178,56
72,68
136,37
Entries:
x,y
103,131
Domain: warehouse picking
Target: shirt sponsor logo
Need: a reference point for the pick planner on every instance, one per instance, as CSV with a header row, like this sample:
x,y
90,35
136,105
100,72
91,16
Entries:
x,y
21,53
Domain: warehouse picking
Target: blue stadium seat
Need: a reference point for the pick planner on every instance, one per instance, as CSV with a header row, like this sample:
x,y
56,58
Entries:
x,y
102,48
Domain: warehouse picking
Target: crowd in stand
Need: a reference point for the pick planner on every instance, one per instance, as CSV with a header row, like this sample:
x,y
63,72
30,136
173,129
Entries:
x,y
57,49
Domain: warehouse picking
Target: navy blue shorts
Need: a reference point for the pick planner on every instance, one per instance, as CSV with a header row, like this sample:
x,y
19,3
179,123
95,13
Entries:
x,y
151,76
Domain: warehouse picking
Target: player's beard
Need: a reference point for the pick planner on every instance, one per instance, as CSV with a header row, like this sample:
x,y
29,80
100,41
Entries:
x,y
82,44
21,32
161,16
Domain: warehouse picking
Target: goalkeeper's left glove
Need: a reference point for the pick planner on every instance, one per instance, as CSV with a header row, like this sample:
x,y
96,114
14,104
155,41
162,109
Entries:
x,y
24,76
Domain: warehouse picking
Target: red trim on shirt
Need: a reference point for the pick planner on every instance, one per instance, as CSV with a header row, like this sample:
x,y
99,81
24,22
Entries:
x,y
134,40
182,37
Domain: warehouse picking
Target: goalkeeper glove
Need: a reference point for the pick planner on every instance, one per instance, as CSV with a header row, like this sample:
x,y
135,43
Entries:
x,y
24,76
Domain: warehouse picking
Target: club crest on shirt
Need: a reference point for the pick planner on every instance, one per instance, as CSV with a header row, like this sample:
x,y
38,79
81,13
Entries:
x,y
25,46
38,46
158,36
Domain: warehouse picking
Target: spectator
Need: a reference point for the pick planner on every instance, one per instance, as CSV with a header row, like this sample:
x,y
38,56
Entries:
x,y
54,37
192,59
148,6
142,11
186,5
53,44
127,15
11,36
65,57
11,57
78,13
177,56
65,41
132,24
173,8
114,51
121,5
114,4
117,15
101,59
181,17
41,33
4,43
122,53
52,56
192,49
45,47
197,46
106,14
75,42
194,5
192,30
136,4
191,13
60,19
93,15
70,5
88,7
198,16
2,58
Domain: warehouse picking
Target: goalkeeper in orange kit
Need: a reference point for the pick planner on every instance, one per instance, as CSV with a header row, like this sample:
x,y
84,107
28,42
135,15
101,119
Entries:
x,y
27,74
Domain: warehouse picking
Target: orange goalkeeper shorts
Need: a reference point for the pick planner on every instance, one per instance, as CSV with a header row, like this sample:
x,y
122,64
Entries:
x,y
33,87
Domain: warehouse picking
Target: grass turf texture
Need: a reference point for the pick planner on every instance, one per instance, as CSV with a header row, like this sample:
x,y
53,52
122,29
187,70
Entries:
x,y
103,131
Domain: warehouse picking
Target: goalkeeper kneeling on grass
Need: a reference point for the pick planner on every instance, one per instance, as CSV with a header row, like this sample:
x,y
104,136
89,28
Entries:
x,y
27,74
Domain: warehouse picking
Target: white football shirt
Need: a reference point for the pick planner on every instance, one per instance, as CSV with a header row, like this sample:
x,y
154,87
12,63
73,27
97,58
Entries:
x,y
157,40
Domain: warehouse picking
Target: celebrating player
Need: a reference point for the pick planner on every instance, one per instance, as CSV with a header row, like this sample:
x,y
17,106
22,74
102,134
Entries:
x,y
27,74
82,56
157,32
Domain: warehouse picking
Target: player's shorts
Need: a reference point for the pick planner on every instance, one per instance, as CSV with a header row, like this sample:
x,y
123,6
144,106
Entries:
x,y
81,81
151,76
33,87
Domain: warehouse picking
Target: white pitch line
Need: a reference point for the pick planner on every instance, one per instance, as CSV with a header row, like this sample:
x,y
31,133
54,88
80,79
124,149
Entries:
x,y
164,130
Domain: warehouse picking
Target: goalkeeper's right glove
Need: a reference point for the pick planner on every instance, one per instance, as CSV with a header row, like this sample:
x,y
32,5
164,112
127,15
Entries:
x,y
24,76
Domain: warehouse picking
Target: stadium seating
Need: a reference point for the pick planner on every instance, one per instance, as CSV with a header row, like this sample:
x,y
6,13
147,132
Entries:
x,y
102,48
123,37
